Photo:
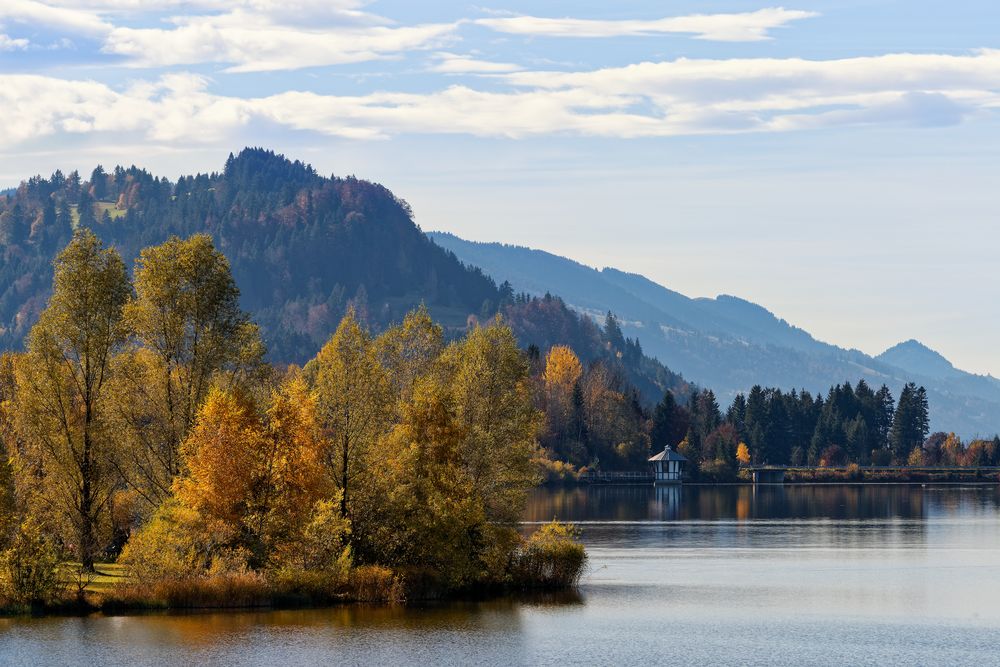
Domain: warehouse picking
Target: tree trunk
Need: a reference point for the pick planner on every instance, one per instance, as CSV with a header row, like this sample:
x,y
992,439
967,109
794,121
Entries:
x,y
343,478
86,506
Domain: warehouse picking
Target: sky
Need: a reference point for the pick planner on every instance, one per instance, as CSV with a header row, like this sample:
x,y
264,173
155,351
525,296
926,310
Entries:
x,y
834,161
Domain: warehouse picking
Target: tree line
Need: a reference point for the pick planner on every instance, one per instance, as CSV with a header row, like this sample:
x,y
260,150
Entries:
x,y
142,423
851,424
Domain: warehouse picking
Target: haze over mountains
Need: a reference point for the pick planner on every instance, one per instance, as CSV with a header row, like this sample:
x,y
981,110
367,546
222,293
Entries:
x,y
730,344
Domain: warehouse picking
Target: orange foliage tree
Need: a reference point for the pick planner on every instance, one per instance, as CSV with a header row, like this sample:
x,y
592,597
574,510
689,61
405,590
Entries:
x,y
254,478
562,372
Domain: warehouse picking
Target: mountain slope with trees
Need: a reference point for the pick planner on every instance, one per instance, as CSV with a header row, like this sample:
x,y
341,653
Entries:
x,y
730,344
303,248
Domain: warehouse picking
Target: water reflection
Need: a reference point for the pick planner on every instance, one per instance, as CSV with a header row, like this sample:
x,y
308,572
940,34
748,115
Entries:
x,y
793,575
746,502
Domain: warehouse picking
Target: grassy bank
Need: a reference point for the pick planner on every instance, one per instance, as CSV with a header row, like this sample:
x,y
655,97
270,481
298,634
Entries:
x,y
551,559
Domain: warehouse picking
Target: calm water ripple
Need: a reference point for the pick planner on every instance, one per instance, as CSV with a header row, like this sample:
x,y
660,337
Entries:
x,y
795,575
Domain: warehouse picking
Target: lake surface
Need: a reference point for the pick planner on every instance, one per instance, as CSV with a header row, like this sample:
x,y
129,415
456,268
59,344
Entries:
x,y
793,575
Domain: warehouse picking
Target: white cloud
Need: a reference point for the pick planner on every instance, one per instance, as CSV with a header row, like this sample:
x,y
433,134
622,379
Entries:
x,y
453,63
246,35
252,42
743,27
681,97
66,19
8,43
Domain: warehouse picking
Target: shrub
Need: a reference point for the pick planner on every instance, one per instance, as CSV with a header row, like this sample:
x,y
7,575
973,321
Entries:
x,y
551,558
247,589
165,548
29,569
717,470
294,585
373,583
556,471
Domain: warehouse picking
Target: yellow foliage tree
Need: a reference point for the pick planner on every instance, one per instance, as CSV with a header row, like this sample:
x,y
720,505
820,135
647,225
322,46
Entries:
x,y
354,405
953,450
562,372
409,351
743,454
192,332
562,368
434,512
492,398
61,401
8,448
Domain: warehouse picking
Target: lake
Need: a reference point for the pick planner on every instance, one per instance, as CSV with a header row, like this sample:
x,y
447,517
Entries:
x,y
792,575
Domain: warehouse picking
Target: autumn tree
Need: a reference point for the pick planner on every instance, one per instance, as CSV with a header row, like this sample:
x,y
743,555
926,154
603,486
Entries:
x,y
187,319
743,454
62,389
561,377
354,404
8,449
254,478
409,350
493,407
430,517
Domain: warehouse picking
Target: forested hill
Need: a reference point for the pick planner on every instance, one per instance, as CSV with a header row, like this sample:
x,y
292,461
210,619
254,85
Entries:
x,y
302,246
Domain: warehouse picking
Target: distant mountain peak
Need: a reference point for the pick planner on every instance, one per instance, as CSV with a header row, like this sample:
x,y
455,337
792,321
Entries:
x,y
914,356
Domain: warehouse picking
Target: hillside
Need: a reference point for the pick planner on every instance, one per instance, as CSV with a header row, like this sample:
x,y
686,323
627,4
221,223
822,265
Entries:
x,y
303,248
730,344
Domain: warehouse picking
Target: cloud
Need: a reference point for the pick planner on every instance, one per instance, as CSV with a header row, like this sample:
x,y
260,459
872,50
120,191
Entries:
x,y
246,35
452,63
744,27
252,42
268,35
8,43
64,19
679,97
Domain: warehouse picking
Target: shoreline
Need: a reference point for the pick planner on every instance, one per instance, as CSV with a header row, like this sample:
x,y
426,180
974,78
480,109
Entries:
x,y
817,476
854,482
110,607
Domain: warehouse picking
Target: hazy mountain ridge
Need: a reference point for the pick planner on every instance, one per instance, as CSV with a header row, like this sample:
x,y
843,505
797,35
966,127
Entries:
x,y
730,344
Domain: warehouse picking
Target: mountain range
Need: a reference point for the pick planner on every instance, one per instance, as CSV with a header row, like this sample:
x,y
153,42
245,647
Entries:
x,y
305,247
730,344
